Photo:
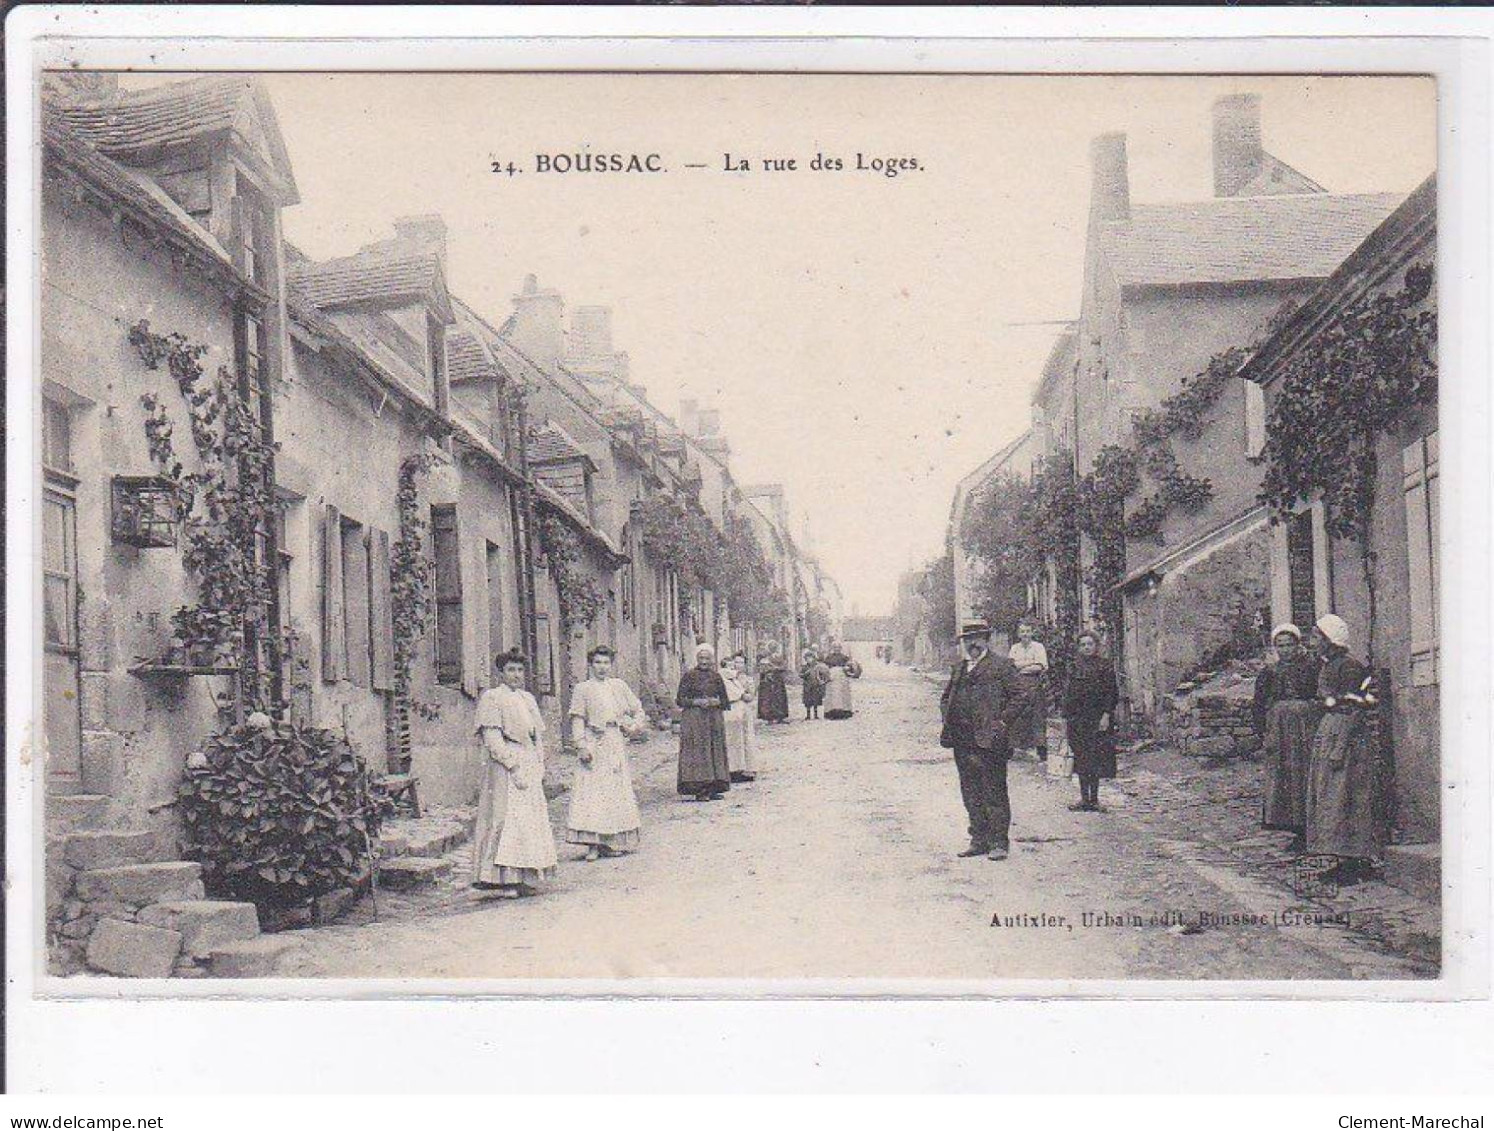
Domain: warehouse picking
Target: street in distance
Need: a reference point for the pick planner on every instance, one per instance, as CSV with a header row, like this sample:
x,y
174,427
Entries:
x,y
584,163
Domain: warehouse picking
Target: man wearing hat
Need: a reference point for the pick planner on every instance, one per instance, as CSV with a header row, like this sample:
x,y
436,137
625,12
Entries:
x,y
977,706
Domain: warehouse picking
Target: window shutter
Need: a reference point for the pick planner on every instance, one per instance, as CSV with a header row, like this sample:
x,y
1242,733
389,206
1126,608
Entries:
x,y
1419,463
334,627
380,611
473,622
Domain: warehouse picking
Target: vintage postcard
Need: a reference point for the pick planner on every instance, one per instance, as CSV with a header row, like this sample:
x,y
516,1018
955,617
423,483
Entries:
x,y
638,530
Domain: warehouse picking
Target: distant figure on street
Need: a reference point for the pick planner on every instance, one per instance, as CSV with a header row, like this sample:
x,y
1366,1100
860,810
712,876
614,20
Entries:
x,y
1287,716
704,773
1089,700
1342,780
739,720
513,847
815,676
772,689
977,707
1030,658
604,809
838,688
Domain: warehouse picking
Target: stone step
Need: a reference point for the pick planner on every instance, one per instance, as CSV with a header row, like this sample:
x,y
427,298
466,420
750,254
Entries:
x,y
70,812
412,872
133,950
426,836
204,924
1416,869
140,884
91,849
263,957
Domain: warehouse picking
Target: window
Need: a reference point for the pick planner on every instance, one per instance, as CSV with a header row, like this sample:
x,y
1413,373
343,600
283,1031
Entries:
x,y
447,558
1302,568
355,603
57,436
59,572
1419,462
544,659
1255,419
250,223
626,584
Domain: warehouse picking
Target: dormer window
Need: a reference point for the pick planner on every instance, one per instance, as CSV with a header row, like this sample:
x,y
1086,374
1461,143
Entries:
x,y
250,229
436,343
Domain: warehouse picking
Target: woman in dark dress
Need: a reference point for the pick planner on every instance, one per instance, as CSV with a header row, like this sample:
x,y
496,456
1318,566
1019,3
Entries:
x,y
1286,714
1089,701
704,772
772,691
1343,780
815,676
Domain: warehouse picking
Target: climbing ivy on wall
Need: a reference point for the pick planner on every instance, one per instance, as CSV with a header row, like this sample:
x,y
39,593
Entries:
x,y
411,581
1353,379
581,596
223,507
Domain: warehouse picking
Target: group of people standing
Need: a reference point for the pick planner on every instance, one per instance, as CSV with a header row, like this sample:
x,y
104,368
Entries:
x,y
514,846
827,683
1314,706
994,706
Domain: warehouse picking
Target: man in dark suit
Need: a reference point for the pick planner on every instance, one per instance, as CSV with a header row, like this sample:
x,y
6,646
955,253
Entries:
x,y
977,706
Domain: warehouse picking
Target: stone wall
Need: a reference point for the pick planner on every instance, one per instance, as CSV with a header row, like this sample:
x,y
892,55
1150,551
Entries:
x,y
1196,614
1212,721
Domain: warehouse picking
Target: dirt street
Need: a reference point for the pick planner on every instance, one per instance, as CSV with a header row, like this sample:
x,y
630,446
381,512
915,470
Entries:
x,y
839,861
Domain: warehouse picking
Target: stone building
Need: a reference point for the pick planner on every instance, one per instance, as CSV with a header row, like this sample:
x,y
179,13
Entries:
x,y
1386,586
159,208
427,490
1167,288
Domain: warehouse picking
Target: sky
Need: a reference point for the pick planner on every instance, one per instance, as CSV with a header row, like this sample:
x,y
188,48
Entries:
x,y
867,339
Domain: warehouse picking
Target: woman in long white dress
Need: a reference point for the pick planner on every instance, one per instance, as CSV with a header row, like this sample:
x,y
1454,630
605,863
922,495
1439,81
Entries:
x,y
739,697
514,847
604,809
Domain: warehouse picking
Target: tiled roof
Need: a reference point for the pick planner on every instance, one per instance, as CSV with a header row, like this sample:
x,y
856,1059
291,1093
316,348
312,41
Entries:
x,y
161,115
385,271
466,357
553,444
174,114
1240,239
64,144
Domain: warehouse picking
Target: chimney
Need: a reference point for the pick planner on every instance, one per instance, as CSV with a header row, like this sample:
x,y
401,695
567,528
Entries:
x,y
1238,154
689,416
1110,185
591,334
427,232
537,323
710,422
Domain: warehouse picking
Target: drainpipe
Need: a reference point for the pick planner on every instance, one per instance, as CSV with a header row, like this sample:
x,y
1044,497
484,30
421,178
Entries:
x,y
528,613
